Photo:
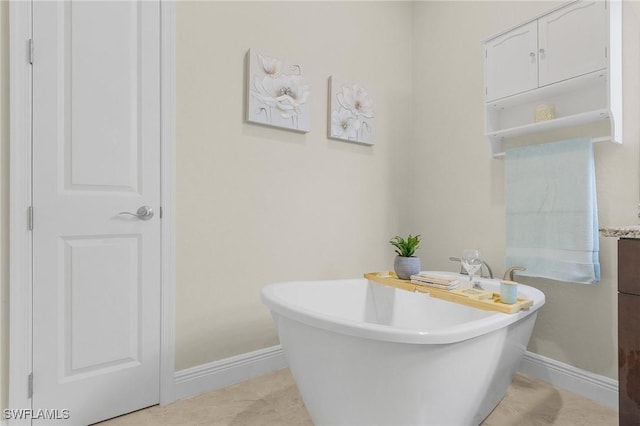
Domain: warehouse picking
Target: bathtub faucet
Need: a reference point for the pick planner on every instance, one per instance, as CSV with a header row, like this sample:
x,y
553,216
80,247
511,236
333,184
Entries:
x,y
484,265
508,275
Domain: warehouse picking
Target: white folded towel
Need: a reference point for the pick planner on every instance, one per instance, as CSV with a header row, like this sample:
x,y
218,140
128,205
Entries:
x,y
551,211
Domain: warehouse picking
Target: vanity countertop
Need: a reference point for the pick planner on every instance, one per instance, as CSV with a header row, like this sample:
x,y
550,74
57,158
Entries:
x,y
630,231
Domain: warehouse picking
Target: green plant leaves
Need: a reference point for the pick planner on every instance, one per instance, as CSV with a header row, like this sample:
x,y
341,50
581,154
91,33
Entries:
x,y
406,248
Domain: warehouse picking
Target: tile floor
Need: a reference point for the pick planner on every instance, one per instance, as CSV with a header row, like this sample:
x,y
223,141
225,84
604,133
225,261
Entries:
x,y
273,400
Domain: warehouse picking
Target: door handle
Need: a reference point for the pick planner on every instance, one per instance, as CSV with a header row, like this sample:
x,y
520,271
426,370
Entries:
x,y
143,213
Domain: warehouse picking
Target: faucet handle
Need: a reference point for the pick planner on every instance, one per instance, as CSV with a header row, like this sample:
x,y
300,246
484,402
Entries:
x,y
457,259
508,275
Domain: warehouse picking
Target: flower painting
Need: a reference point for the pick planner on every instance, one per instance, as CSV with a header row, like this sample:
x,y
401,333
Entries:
x,y
278,94
352,115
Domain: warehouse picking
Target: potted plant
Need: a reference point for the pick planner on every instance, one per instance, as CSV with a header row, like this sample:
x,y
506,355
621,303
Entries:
x,y
406,264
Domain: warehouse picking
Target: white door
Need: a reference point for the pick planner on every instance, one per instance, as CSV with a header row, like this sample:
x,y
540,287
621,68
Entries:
x,y
511,64
96,153
572,41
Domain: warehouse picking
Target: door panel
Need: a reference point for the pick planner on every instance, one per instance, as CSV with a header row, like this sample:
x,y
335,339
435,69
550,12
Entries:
x,y
96,153
104,91
511,63
101,280
572,41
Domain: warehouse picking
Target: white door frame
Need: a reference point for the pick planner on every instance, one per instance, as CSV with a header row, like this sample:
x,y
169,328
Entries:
x,y
20,244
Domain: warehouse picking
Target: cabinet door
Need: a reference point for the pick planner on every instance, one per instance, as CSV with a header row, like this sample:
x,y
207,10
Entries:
x,y
572,41
629,266
511,62
628,359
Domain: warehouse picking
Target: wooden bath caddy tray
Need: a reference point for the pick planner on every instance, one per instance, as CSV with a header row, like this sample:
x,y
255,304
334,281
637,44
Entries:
x,y
492,304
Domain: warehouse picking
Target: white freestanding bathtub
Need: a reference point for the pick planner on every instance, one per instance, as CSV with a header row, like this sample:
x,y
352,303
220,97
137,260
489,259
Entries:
x,y
363,353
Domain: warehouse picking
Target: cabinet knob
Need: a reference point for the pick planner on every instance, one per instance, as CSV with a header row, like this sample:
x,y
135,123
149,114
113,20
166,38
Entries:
x,y
532,56
541,51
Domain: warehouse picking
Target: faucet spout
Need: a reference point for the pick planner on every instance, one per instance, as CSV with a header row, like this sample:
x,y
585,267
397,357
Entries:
x,y
489,271
484,265
508,275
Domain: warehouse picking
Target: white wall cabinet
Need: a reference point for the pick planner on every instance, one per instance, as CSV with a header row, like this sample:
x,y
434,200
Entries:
x,y
569,58
572,41
511,64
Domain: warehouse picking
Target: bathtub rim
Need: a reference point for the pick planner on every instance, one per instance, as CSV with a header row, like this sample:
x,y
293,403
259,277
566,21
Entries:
x,y
446,335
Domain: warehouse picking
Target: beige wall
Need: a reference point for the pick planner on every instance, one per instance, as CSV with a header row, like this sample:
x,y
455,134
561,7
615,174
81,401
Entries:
x,y
466,206
259,205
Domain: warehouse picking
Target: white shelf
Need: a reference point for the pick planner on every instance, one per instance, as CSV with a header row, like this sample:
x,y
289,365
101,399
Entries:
x,y
578,101
558,123
496,145
552,90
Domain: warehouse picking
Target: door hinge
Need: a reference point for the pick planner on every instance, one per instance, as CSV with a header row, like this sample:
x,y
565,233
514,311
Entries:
x,y
30,218
31,51
606,53
160,212
30,386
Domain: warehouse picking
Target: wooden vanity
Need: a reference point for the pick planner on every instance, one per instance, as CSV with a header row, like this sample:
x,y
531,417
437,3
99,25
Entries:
x,y
629,331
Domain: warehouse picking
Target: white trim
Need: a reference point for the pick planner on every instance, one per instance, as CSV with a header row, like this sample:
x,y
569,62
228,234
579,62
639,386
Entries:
x,y
168,198
215,375
19,199
600,389
20,335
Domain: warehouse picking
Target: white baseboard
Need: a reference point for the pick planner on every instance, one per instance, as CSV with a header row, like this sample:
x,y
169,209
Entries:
x,y
600,389
215,375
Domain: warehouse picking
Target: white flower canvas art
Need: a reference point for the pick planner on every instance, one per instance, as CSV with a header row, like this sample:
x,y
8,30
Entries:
x,y
351,112
278,94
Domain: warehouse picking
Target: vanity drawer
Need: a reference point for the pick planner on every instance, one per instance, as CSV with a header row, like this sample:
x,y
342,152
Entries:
x,y
629,266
